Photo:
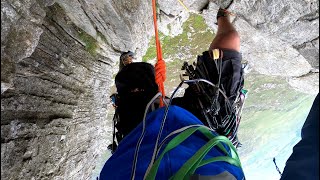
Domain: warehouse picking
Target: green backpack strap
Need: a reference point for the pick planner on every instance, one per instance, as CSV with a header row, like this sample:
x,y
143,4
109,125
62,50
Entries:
x,y
172,144
197,160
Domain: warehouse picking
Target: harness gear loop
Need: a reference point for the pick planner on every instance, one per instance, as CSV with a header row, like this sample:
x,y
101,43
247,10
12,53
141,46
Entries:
x,y
160,66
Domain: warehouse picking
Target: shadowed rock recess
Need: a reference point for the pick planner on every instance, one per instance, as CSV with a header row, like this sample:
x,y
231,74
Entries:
x,y
58,59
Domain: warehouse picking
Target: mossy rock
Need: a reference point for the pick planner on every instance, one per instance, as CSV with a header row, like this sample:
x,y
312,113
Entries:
x,y
195,38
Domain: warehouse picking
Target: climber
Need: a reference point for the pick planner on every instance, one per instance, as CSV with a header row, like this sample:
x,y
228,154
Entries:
x,y
227,40
126,58
135,75
130,80
136,87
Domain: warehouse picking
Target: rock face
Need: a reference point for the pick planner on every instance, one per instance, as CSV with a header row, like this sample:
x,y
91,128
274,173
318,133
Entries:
x,y
173,14
58,59
279,38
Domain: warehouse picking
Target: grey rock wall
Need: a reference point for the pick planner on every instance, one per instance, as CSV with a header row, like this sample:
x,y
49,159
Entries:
x,y
56,107
124,25
57,63
293,22
173,14
279,38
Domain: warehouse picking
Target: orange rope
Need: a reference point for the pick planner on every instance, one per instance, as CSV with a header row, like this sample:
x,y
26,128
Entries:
x,y
160,67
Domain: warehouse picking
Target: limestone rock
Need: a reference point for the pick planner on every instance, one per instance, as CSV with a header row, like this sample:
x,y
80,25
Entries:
x,y
293,22
306,84
271,40
310,51
54,94
173,14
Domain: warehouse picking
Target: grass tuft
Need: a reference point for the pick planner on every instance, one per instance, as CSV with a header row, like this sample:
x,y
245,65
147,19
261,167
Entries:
x,y
91,44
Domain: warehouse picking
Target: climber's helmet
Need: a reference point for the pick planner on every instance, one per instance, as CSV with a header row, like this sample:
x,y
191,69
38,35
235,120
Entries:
x,y
126,58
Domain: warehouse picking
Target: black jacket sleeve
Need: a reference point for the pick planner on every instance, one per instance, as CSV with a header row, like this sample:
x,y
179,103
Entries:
x,y
304,161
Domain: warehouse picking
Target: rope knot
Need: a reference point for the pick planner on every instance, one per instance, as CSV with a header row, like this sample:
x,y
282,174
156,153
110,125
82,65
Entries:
x,y
160,70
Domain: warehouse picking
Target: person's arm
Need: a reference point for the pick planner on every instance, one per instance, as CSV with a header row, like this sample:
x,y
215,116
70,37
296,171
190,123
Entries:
x,y
304,160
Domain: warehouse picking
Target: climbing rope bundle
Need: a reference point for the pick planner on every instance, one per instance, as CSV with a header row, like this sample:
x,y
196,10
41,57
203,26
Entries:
x,y
219,107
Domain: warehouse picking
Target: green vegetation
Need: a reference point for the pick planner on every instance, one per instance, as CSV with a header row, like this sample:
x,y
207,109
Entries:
x,y
272,117
151,52
269,96
264,89
195,38
90,43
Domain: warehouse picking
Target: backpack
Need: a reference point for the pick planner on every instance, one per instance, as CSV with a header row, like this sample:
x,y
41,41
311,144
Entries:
x,y
135,87
221,111
186,149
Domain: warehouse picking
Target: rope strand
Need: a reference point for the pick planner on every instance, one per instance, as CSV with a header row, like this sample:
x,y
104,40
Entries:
x,y
160,66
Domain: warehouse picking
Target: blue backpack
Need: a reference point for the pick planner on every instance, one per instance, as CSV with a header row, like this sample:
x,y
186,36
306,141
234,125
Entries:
x,y
185,149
